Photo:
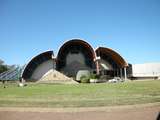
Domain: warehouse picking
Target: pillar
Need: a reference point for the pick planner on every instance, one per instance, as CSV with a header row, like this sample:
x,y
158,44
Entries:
x,y
97,67
118,73
121,72
97,64
125,73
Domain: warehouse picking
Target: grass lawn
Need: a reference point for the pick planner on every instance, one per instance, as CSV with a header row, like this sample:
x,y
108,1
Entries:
x,y
80,95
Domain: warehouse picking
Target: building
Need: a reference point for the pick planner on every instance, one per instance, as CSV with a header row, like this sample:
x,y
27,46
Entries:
x,y
75,55
145,71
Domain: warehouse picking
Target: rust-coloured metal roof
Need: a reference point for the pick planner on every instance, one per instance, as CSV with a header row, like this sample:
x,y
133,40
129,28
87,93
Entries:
x,y
69,45
115,56
77,42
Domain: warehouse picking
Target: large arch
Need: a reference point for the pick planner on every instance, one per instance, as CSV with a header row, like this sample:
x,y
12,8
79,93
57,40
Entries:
x,y
111,62
38,66
75,55
116,57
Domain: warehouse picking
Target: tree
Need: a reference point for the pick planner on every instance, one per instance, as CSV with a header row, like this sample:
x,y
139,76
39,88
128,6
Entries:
x,y
1,62
3,67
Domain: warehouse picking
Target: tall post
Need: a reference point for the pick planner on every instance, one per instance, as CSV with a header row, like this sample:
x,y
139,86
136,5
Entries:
x,y
121,73
117,73
97,65
125,73
22,80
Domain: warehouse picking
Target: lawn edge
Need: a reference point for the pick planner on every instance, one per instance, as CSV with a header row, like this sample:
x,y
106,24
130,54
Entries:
x,y
80,109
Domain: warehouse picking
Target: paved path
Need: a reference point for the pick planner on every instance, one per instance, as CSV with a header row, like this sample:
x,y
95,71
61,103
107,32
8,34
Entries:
x,y
138,112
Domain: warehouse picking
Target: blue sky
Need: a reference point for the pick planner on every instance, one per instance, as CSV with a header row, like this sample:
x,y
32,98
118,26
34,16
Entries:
x,y
130,27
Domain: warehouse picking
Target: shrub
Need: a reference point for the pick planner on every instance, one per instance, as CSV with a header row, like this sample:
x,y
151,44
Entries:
x,y
84,79
94,76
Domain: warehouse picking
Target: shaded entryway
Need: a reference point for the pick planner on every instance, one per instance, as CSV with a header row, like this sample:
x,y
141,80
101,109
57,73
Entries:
x,y
111,63
75,55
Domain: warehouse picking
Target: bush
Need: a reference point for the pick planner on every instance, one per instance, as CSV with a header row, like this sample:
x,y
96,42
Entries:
x,y
3,68
84,79
94,76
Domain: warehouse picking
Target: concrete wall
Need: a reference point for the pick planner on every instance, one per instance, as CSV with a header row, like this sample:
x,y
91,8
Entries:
x,y
79,57
146,70
74,63
42,69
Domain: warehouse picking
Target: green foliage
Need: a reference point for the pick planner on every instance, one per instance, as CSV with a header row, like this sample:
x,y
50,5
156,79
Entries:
x,y
94,76
84,79
1,62
3,68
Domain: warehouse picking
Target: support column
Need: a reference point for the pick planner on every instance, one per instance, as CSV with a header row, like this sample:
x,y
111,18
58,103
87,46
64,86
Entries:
x,y
121,73
54,62
125,73
22,81
117,72
97,65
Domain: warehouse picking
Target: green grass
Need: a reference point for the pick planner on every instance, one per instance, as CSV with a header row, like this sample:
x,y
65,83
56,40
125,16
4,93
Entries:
x,y
81,95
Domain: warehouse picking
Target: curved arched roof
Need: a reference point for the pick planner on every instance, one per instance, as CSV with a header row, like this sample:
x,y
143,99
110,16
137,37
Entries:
x,y
34,62
114,55
74,43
